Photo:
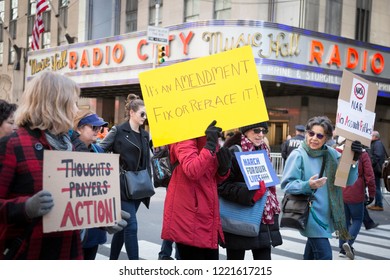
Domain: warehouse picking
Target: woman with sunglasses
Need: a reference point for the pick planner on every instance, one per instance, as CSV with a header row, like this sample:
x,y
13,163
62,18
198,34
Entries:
x,y
84,135
132,143
300,176
251,138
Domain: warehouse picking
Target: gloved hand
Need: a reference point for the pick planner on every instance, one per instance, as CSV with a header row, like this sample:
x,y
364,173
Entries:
x,y
121,224
39,204
260,192
224,157
369,201
212,134
357,148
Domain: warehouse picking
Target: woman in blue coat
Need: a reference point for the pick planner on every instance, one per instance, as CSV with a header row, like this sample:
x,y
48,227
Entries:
x,y
300,176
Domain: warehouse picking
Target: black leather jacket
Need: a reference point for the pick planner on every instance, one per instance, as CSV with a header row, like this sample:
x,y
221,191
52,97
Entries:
x,y
122,140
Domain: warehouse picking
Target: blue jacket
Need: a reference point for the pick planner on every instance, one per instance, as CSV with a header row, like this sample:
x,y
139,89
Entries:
x,y
298,169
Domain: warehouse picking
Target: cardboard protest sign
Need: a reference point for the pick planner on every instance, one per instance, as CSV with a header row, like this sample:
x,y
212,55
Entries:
x,y
85,189
355,118
255,166
181,100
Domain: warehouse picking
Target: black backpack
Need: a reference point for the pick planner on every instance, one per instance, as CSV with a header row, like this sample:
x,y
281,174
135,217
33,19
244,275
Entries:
x,y
162,167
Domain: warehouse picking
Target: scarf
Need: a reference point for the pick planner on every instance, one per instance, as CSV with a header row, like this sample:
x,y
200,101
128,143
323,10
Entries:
x,y
60,142
271,205
335,193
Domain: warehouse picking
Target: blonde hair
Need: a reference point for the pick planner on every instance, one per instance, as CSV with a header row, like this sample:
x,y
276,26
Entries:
x,y
48,103
81,115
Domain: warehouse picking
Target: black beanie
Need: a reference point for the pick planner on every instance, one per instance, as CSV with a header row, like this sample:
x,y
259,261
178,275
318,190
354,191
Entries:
x,y
249,127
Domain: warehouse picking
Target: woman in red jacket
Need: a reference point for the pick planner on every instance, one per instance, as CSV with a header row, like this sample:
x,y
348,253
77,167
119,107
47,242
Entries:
x,y
354,202
191,209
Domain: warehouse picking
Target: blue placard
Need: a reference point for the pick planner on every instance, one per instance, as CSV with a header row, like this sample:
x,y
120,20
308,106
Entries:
x,y
256,166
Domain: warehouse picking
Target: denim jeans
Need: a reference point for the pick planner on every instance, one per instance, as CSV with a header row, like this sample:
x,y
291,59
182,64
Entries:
x,y
128,235
378,194
354,213
317,249
166,250
367,221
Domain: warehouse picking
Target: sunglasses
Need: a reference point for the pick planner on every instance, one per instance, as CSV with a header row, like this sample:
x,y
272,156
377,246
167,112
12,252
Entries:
x,y
95,128
143,115
258,130
312,133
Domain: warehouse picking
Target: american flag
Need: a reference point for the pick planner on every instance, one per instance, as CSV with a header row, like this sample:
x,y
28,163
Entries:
x,y
38,24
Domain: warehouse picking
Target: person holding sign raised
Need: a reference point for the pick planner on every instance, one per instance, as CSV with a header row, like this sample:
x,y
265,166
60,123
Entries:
x,y
132,143
191,208
44,117
86,127
300,176
251,138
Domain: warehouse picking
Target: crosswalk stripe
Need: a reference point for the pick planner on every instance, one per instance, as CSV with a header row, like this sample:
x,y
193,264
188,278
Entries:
x,y
372,244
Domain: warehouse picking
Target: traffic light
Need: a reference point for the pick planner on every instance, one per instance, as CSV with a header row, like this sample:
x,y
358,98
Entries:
x,y
160,54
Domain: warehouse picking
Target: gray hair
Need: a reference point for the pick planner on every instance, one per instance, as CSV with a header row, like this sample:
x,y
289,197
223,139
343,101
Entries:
x,y
376,134
322,121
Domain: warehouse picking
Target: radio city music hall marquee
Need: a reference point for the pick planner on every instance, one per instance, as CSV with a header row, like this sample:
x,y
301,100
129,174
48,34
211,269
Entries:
x,y
282,54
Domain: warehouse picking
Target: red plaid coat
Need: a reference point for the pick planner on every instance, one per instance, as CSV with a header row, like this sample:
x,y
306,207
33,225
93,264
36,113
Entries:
x,y
21,163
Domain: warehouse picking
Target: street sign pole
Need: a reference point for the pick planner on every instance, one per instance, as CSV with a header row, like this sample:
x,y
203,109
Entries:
x,y
155,46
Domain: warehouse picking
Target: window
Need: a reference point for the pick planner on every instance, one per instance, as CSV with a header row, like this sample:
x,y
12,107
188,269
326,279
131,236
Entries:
x,y
32,10
45,36
2,10
222,9
63,12
13,19
191,10
46,40
131,15
152,12
271,10
14,9
363,20
312,14
62,21
333,17
103,18
11,55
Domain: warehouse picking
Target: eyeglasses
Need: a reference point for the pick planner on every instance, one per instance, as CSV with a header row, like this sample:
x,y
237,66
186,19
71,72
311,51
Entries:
x,y
143,115
262,130
312,133
95,128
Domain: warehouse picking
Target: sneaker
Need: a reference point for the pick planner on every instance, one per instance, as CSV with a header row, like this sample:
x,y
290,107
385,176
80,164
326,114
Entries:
x,y
374,225
349,251
342,253
375,208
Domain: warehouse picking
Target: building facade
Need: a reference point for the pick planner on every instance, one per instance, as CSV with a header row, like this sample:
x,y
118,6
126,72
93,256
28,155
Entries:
x,y
300,47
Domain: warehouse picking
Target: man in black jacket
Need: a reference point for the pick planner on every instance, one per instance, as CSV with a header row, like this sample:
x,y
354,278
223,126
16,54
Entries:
x,y
378,155
294,142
